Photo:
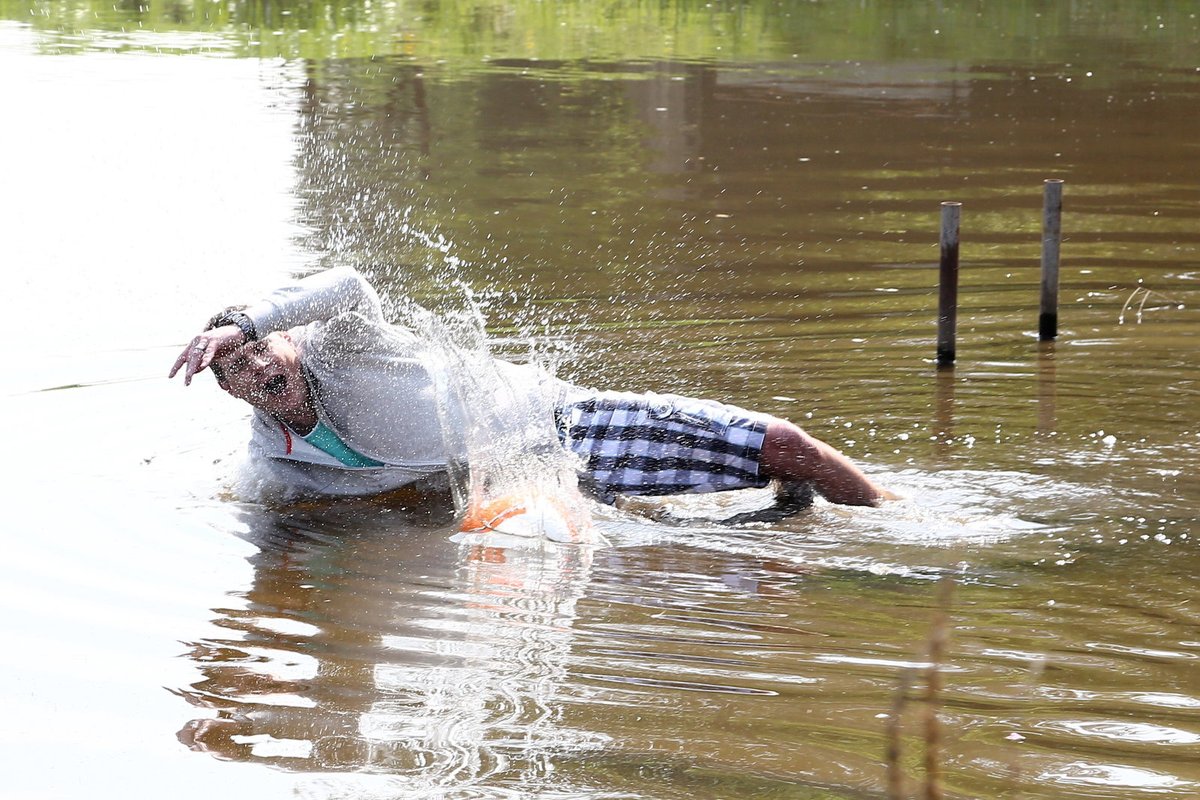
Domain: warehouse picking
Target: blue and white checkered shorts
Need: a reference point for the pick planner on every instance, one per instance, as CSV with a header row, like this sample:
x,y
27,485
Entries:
x,y
654,444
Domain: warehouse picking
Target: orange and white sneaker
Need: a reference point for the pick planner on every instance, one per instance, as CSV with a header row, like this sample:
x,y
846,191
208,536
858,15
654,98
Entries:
x,y
532,514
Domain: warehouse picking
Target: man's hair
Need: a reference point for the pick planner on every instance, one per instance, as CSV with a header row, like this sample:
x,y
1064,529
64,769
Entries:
x,y
217,372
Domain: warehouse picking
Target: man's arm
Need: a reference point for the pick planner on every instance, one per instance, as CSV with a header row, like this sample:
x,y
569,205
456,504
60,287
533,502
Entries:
x,y
317,297
321,296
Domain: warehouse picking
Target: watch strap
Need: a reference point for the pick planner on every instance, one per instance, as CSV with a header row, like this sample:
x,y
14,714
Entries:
x,y
239,319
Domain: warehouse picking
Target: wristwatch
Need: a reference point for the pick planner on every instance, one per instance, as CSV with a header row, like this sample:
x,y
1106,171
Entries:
x,y
236,318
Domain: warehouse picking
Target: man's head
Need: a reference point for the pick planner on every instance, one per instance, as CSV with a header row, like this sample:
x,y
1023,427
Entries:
x,y
265,373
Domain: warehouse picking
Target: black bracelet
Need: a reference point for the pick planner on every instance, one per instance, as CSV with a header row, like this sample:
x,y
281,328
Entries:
x,y
237,318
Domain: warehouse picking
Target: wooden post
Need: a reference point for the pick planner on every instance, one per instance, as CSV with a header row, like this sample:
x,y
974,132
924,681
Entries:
x,y
1051,240
948,284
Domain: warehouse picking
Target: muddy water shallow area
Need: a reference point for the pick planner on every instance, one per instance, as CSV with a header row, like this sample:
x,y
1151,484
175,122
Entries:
x,y
738,201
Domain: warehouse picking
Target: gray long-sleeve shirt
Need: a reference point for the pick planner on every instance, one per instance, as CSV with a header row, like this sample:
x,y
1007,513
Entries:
x,y
386,392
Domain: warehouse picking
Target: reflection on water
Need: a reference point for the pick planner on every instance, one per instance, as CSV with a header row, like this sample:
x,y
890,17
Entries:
x,y
447,675
738,200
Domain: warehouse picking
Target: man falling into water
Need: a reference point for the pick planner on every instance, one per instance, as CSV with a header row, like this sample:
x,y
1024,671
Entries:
x,y
347,404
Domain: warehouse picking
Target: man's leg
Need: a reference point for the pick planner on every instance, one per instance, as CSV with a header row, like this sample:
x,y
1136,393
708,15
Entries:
x,y
647,444
789,454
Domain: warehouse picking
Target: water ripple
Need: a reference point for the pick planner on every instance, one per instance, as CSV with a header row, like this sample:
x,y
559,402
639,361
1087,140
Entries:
x,y
1113,780
687,686
1135,732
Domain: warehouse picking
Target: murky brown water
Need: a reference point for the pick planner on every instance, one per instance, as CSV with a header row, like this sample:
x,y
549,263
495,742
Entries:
x,y
756,223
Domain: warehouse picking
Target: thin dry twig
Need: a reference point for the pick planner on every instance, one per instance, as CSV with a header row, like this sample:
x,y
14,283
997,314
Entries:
x,y
1142,303
1128,300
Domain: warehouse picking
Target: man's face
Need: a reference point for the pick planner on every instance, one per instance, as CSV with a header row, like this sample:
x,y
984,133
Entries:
x,y
266,374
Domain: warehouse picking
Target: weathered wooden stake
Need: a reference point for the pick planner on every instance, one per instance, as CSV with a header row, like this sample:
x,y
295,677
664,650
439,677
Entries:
x,y
1051,240
948,284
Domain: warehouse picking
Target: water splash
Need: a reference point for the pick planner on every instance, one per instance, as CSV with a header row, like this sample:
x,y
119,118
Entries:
x,y
517,479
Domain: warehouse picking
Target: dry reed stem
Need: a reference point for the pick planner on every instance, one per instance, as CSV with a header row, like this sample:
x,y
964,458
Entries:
x,y
939,635
1015,774
895,775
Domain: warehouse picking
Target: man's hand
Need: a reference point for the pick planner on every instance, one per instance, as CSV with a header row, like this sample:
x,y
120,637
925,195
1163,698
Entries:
x,y
205,347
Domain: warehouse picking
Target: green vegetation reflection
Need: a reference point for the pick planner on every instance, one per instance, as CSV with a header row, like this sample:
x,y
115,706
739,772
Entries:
x,y
466,33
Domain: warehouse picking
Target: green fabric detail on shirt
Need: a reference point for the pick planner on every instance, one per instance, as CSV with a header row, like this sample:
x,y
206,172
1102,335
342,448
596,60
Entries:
x,y
325,439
